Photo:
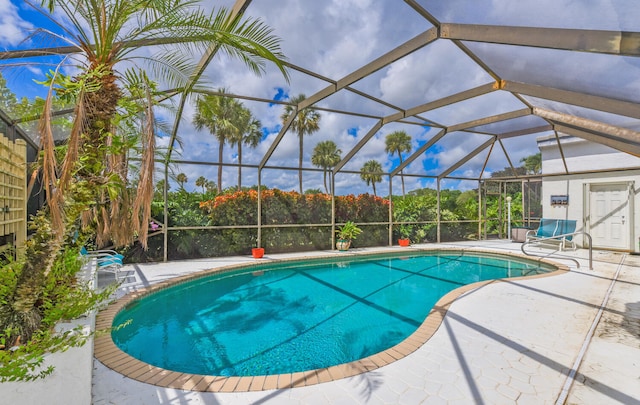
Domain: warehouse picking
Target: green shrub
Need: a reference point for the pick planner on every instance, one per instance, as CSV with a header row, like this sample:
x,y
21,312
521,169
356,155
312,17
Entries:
x,y
64,298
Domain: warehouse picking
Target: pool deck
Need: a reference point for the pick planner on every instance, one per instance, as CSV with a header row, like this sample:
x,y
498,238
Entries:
x,y
573,338
502,343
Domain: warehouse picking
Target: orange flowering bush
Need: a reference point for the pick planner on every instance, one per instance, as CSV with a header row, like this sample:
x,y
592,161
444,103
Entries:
x,y
289,207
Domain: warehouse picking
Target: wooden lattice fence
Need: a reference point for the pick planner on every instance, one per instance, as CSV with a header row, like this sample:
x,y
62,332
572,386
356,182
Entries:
x,y
13,193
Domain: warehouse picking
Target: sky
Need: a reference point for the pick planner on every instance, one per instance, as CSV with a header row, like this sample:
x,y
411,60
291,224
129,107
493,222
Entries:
x,y
336,37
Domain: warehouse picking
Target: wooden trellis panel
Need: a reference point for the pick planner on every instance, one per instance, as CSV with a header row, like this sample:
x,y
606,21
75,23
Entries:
x,y
13,192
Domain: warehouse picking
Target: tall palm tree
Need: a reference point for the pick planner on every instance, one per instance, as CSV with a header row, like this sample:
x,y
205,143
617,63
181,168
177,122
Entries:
x,y
371,173
306,122
249,133
326,155
201,182
90,186
182,178
398,142
219,114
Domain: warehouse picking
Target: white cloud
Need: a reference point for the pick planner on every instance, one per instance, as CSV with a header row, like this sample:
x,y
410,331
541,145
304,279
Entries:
x,y
13,29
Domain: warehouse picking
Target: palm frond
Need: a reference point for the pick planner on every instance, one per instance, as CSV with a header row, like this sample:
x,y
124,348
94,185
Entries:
x,y
144,196
53,194
73,144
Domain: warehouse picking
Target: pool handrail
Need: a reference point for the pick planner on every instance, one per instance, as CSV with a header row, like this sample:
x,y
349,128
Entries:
x,y
538,241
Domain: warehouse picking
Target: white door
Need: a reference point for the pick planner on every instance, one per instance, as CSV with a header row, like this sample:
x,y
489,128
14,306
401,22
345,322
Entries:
x,y
609,215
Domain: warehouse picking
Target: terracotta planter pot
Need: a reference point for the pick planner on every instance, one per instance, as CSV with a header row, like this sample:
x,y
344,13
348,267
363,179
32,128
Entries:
x,y
343,244
404,242
257,253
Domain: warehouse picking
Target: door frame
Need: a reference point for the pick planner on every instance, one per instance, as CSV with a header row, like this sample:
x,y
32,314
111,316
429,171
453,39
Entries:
x,y
630,184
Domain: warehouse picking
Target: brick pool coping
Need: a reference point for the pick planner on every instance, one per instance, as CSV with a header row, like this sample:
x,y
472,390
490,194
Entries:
x,y
112,357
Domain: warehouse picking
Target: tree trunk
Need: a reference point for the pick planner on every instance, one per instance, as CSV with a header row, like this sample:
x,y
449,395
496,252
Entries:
x,y
21,315
401,176
300,135
220,167
324,173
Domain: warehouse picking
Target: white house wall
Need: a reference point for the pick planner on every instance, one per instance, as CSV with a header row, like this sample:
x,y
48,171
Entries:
x,y
576,188
582,155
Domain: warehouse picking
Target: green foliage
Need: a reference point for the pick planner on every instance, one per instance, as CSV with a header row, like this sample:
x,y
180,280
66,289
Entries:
x,y
234,209
416,217
348,231
533,163
64,298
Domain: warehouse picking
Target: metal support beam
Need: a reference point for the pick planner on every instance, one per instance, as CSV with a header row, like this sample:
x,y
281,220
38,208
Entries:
x,y
419,152
506,155
399,52
438,216
412,45
605,104
455,98
599,138
490,120
486,162
528,131
278,139
607,42
358,146
469,156
619,138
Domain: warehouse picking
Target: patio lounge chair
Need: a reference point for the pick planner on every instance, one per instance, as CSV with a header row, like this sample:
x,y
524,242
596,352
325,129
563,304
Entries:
x,y
557,232
106,260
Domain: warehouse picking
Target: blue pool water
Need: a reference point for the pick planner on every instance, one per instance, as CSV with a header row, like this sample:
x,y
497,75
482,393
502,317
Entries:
x,y
297,316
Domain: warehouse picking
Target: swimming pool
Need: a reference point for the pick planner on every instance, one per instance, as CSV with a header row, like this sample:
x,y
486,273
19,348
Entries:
x,y
292,316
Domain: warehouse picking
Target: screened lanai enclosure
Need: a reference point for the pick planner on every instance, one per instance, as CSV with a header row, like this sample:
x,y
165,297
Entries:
x,y
416,119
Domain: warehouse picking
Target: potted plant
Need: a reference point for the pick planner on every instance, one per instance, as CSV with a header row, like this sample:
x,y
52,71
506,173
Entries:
x,y
346,234
257,252
404,236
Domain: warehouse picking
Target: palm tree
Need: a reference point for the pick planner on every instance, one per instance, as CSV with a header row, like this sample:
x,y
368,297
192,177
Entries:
x,y
219,114
90,186
371,173
533,163
160,187
305,123
326,155
249,133
398,142
201,182
210,186
182,178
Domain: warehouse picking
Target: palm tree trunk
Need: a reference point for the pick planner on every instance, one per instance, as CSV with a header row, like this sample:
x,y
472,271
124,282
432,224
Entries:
x,y
374,187
401,176
220,167
21,315
300,135
324,173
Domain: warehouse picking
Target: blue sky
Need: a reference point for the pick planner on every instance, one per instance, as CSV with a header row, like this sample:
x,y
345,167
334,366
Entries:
x,y
335,38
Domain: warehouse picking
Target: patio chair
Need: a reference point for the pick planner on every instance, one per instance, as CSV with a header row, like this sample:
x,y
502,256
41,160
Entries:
x,y
557,232
100,254
108,261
